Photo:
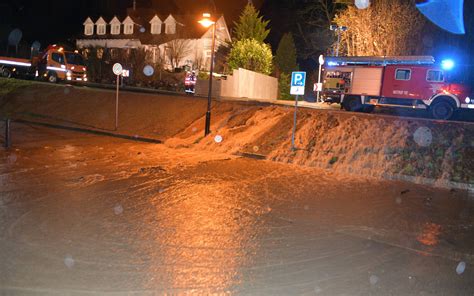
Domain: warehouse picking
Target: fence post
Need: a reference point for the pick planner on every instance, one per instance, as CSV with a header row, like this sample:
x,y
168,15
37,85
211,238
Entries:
x,y
7,133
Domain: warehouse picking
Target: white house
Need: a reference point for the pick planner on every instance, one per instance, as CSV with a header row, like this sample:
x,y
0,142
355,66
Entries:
x,y
174,40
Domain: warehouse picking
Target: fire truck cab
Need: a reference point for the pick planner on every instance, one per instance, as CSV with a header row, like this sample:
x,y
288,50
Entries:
x,y
361,83
54,64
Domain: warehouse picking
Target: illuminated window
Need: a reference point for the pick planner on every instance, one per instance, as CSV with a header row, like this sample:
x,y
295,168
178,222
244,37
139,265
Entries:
x,y
403,74
100,26
156,25
170,25
89,30
100,53
156,28
434,76
115,26
88,27
100,29
170,28
128,26
128,29
115,29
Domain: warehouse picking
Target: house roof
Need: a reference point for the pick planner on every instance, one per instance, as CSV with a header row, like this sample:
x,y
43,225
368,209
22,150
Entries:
x,y
100,21
115,21
128,20
88,21
187,26
155,20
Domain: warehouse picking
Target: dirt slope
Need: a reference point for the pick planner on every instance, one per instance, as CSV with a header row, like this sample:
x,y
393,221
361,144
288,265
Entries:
x,y
343,142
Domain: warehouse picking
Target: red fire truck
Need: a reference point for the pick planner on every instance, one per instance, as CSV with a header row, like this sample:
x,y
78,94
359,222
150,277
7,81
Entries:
x,y
361,83
54,64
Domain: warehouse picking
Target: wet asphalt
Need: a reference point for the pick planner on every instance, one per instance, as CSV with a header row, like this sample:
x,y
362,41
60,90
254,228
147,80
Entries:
x,y
89,215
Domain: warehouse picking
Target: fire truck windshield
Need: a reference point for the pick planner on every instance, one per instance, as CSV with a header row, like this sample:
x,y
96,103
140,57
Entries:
x,y
74,59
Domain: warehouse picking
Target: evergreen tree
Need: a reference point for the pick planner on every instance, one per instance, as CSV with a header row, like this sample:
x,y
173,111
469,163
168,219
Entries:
x,y
285,58
250,25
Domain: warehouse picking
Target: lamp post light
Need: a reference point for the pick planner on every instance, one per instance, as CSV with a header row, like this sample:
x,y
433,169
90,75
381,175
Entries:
x,y
338,30
208,22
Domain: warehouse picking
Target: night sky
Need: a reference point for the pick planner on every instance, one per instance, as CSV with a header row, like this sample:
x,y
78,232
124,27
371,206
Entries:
x,y
51,21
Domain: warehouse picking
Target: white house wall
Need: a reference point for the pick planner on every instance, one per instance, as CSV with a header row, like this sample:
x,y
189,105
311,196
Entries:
x,y
108,43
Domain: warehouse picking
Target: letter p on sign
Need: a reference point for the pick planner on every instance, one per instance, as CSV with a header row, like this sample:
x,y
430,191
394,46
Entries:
x,y
298,81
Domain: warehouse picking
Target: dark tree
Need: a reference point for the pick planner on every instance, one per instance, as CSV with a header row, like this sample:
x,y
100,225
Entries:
x,y
285,58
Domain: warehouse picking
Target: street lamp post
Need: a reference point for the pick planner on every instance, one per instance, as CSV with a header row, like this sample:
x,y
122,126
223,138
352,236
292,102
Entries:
x,y
338,30
207,22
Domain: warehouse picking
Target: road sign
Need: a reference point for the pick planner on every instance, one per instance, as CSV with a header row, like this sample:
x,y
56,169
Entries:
x,y
298,81
118,69
321,60
125,73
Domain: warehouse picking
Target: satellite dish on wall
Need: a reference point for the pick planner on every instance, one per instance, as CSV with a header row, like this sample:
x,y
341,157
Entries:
x,y
14,38
36,46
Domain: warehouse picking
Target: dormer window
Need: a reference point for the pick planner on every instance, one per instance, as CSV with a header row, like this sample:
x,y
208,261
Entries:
x,y
156,25
101,30
170,25
100,24
115,26
88,27
89,30
170,28
128,26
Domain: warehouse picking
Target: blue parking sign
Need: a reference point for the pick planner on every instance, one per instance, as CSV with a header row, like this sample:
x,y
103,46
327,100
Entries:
x,y
298,81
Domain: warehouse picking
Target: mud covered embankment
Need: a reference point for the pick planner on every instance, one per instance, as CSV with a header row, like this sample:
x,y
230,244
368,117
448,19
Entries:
x,y
377,146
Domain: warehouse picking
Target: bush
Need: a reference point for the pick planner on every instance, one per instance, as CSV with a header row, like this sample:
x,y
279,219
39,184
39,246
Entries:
x,y
252,55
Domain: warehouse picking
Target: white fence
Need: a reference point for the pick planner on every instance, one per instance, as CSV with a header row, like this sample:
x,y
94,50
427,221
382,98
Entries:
x,y
242,84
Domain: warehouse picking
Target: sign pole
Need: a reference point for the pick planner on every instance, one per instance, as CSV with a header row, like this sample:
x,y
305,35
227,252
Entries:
x,y
294,124
116,103
118,71
298,81
321,63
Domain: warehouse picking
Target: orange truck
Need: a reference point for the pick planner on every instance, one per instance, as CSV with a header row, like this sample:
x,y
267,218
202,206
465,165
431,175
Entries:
x,y
54,64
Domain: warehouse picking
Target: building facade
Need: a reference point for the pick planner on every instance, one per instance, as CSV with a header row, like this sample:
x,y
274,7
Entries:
x,y
172,40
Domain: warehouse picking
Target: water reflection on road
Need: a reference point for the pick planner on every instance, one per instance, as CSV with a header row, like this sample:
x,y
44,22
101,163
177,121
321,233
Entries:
x,y
93,216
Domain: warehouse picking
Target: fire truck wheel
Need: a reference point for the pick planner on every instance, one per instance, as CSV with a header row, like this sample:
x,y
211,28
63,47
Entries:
x,y
353,104
442,110
52,77
6,73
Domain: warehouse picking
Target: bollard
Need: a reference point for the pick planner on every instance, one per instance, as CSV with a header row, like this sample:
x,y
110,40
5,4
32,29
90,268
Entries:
x,y
7,133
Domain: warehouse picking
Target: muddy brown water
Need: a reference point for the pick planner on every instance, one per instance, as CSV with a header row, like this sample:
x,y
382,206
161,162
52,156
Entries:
x,y
82,215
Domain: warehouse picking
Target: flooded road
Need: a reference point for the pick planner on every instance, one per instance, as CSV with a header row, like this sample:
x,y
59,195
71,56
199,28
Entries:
x,y
82,215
